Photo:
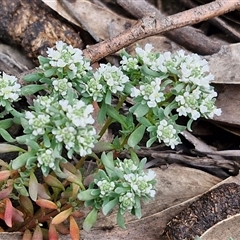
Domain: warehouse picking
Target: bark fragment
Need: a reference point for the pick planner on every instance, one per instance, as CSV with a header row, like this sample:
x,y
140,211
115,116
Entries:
x,y
33,26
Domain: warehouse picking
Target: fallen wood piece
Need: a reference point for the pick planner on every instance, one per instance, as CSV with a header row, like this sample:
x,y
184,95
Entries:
x,y
188,37
32,25
150,25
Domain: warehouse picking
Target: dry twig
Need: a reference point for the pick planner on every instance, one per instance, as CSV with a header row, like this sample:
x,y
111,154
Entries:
x,y
150,25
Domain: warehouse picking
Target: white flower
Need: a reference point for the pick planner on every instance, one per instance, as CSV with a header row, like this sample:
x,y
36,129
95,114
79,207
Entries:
x,y
86,139
127,201
129,63
67,135
113,77
46,158
37,123
94,87
80,114
151,92
68,58
105,187
61,85
167,133
126,165
10,90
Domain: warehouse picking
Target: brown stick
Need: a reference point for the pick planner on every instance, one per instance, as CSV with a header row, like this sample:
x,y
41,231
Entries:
x,y
188,36
149,26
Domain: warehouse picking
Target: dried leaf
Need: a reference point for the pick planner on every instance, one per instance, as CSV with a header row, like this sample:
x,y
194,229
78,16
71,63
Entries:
x,y
62,216
46,204
33,186
53,182
224,229
26,204
88,15
37,234
27,235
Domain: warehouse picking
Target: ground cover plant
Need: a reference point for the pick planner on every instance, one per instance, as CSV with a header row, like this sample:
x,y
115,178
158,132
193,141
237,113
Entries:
x,y
43,186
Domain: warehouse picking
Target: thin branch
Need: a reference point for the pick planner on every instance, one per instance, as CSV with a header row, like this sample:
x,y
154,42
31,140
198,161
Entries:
x,y
150,25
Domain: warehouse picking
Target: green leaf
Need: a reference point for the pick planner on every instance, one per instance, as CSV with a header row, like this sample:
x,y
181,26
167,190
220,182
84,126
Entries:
x,y
109,206
144,121
46,141
33,186
147,71
31,89
90,220
32,77
136,136
107,161
113,113
6,123
42,60
86,195
169,108
50,72
32,144
23,139
103,146
120,219
6,136
21,160
141,110
102,113
151,141
108,98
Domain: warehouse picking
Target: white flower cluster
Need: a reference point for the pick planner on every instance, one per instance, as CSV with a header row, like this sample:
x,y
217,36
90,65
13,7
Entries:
x,y
105,187
66,58
61,86
105,77
70,123
167,133
10,89
151,92
197,97
138,184
46,159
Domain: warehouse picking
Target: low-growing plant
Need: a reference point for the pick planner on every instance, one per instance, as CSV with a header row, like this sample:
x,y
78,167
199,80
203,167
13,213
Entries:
x,y
43,186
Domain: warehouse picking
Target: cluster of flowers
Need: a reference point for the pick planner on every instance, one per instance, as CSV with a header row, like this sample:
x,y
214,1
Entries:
x,y
10,90
124,183
180,80
60,123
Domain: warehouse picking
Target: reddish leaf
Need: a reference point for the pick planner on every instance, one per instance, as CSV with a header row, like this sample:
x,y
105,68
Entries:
x,y
17,215
8,212
46,204
77,214
74,229
62,216
27,235
37,235
5,192
42,193
52,233
4,174
62,228
33,186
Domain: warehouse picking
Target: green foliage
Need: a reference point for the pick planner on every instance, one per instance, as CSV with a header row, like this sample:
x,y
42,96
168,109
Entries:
x,y
61,130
